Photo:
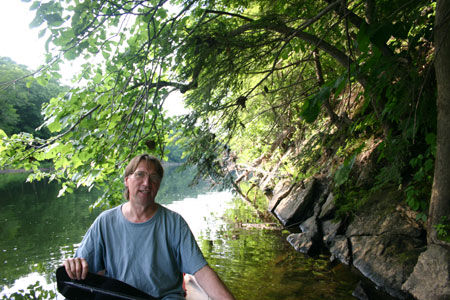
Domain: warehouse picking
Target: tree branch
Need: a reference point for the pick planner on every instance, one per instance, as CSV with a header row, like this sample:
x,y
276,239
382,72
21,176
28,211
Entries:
x,y
217,12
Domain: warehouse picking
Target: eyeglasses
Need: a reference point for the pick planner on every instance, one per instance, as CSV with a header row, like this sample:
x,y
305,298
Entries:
x,y
141,175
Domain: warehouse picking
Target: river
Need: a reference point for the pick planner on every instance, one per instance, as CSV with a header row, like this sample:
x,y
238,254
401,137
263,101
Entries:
x,y
38,231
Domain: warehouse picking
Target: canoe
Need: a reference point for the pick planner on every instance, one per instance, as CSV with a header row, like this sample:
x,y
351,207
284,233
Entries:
x,y
97,287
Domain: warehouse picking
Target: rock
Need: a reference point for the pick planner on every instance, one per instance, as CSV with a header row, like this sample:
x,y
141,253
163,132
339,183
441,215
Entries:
x,y
379,223
430,279
330,229
310,226
281,190
328,208
364,290
301,242
296,207
360,293
387,260
340,250
384,215
385,243
307,241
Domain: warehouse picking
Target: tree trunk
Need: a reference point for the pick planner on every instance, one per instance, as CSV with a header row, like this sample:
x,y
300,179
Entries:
x,y
440,196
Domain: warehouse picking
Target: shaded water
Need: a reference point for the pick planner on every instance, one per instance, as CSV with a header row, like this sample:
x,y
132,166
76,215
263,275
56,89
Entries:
x,y
38,231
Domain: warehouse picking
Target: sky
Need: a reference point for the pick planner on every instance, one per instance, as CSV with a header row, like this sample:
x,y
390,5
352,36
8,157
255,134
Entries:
x,y
17,40
21,43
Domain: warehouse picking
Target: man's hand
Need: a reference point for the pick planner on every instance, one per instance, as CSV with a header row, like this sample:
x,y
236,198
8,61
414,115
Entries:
x,y
76,268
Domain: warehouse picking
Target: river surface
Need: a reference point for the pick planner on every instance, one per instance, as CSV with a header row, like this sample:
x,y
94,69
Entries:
x,y
38,231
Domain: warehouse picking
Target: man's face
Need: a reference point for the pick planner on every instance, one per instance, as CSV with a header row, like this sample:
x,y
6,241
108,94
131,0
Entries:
x,y
143,184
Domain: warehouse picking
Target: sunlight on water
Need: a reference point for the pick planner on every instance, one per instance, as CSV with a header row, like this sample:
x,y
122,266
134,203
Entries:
x,y
23,283
203,212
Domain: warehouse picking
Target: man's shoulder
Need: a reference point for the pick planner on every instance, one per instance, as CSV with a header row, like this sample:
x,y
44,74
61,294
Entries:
x,y
109,213
167,213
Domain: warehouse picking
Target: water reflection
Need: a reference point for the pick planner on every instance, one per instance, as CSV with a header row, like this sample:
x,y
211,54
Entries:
x,y
37,229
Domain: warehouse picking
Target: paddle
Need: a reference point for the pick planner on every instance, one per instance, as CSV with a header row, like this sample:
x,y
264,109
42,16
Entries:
x,y
97,287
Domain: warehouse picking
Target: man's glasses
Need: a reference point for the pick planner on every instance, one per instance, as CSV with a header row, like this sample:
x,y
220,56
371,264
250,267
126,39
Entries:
x,y
141,175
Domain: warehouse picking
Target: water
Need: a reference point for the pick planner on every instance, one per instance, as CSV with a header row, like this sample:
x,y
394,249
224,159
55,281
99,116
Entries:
x,y
38,231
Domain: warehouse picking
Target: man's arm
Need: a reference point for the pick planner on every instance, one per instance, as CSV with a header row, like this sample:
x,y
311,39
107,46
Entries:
x,y
212,284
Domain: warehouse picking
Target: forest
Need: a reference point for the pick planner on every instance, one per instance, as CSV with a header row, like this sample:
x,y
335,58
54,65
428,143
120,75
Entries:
x,y
275,90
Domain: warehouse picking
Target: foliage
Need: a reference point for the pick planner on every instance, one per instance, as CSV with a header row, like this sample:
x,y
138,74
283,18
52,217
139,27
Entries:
x,y
349,198
21,99
419,189
273,86
34,292
343,172
443,229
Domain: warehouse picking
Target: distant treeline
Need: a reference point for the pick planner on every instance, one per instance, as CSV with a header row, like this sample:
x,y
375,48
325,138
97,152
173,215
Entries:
x,y
21,99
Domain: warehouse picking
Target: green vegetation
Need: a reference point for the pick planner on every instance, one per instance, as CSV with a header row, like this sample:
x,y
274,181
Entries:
x,y
443,229
21,99
276,90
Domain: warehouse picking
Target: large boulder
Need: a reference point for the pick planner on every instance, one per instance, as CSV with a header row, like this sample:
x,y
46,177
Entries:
x,y
385,242
281,190
387,260
340,250
328,208
306,241
430,279
298,205
330,229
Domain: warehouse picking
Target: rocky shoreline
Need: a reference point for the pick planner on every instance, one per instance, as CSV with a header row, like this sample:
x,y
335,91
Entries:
x,y
383,241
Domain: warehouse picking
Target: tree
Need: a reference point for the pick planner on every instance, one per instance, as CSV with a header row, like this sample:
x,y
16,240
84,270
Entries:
x,y
440,198
21,102
283,84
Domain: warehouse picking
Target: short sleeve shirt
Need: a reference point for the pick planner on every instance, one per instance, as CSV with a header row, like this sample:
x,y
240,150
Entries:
x,y
150,256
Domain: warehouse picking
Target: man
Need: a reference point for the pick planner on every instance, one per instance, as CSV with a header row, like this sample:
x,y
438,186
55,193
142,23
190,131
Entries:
x,y
143,243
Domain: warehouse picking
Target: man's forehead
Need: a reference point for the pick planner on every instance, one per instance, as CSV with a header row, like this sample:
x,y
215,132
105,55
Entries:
x,y
146,165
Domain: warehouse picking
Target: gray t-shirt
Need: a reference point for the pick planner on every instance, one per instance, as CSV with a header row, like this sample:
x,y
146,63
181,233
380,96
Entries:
x,y
150,256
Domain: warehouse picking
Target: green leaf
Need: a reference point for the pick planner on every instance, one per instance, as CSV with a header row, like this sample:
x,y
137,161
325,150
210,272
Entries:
x,y
363,38
54,20
312,106
105,54
37,21
343,172
53,124
102,99
35,4
42,80
42,32
70,54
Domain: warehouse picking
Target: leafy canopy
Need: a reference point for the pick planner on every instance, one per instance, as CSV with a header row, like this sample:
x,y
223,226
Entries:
x,y
290,81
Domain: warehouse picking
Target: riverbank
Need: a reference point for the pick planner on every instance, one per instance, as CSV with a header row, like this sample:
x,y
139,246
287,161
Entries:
x,y
384,240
